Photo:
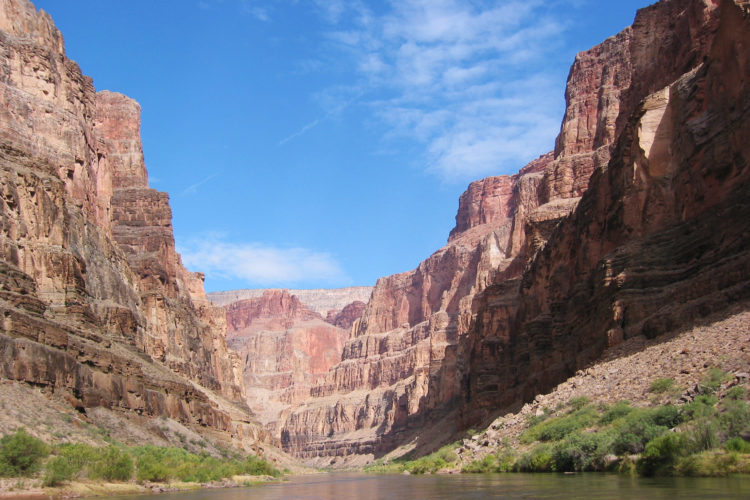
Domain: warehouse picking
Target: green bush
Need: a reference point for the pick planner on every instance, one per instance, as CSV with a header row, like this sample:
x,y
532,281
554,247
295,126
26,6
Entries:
x,y
58,470
537,460
21,454
661,454
617,411
701,406
735,417
426,464
713,380
254,466
707,464
736,392
557,428
667,416
112,464
661,385
578,403
582,451
486,464
637,428
79,455
702,434
737,444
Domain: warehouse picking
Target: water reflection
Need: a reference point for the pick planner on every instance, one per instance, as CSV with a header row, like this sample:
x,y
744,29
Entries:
x,y
509,486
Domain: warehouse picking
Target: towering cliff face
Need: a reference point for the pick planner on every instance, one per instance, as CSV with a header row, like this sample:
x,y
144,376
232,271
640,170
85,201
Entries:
x,y
444,333
659,239
89,279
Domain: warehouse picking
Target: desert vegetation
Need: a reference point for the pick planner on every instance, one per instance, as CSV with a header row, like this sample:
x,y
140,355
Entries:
x,y
22,455
703,437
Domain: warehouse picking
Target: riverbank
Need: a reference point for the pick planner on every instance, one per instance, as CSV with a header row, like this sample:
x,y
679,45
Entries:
x,y
687,392
29,467
32,488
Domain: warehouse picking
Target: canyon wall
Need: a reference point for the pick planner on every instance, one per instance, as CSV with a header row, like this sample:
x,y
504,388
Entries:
x,y
95,302
659,239
321,300
447,334
285,349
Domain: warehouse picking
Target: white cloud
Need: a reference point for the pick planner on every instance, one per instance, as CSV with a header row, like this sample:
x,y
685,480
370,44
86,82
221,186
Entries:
x,y
466,79
259,264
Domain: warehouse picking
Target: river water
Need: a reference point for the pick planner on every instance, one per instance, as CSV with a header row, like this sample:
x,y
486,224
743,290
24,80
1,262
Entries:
x,y
480,486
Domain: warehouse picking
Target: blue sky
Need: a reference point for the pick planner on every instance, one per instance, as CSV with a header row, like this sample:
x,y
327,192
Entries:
x,y
311,143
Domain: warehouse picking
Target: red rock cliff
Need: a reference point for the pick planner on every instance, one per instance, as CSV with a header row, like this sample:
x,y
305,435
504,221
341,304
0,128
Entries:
x,y
285,348
417,349
659,238
89,280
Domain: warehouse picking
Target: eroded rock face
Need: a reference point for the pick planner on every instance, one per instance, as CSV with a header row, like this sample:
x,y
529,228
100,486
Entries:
x,y
660,236
95,301
285,348
441,334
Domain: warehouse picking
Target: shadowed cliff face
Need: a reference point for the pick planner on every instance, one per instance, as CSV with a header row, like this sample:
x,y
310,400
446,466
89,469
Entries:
x,y
659,239
446,335
95,302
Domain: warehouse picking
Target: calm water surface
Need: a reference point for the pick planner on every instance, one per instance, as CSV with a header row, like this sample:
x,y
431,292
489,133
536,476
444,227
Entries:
x,y
527,486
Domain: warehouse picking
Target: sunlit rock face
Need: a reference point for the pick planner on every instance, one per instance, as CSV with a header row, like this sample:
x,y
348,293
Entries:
x,y
477,326
286,348
95,301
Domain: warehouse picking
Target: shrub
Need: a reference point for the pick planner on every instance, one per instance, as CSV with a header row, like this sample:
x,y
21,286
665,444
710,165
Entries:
x,y
21,454
578,403
582,451
736,392
737,444
557,428
255,466
707,464
713,380
58,470
735,418
638,428
426,464
701,406
486,464
702,434
112,464
661,385
537,460
661,454
619,410
667,415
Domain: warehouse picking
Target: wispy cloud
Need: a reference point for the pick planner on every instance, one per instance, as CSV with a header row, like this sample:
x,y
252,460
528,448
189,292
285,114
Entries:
x,y
259,264
193,188
258,12
333,107
464,78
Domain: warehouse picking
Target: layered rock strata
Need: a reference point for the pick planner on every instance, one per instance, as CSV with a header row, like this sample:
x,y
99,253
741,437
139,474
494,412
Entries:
x,y
285,349
658,240
441,336
95,302
320,300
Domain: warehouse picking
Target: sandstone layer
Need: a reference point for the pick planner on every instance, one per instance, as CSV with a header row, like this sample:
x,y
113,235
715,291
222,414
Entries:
x,y
95,303
285,349
320,300
515,301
